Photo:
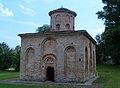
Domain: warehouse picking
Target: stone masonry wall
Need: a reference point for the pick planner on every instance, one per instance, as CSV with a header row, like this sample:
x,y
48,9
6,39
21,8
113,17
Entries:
x,y
64,52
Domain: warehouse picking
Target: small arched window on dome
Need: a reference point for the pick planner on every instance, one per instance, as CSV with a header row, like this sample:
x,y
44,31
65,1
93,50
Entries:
x,y
67,18
67,26
57,27
57,18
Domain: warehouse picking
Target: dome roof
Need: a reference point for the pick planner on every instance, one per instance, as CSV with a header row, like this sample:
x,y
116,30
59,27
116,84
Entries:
x,y
62,10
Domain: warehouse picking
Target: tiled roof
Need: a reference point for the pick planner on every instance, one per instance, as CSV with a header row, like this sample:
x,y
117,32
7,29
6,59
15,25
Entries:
x,y
84,32
62,10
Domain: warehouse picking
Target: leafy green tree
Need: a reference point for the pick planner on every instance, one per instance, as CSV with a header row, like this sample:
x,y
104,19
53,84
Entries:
x,y
111,36
44,28
9,58
112,44
17,58
110,13
6,56
99,49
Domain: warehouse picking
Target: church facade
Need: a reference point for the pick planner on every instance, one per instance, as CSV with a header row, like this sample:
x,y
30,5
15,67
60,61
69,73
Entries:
x,y
61,55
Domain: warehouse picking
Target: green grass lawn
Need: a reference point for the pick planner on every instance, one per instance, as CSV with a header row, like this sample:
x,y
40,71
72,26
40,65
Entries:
x,y
8,75
33,86
109,77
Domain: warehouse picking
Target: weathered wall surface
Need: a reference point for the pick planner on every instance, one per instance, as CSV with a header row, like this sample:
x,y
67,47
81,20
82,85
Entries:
x,y
64,52
65,20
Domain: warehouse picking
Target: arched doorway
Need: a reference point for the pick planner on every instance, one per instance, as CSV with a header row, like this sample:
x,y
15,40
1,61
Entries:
x,y
50,73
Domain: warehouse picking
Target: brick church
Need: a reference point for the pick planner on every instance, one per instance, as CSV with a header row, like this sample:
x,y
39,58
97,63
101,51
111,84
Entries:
x,y
61,55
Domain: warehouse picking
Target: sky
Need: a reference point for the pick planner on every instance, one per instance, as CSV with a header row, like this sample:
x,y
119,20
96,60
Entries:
x,y
25,16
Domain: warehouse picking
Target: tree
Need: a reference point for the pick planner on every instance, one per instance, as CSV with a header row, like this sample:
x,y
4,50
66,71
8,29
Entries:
x,y
6,56
112,44
17,58
99,49
44,28
111,36
9,58
110,13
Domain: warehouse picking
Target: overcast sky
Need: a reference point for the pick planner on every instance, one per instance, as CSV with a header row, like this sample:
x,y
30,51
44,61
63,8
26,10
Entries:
x,y
24,16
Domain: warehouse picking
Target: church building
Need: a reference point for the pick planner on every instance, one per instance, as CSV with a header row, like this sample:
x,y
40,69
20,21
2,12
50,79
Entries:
x,y
61,55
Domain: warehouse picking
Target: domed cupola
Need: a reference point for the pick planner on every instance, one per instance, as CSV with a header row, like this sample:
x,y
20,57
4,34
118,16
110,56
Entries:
x,y
62,19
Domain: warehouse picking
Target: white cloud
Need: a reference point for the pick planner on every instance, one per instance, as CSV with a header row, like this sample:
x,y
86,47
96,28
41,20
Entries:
x,y
26,10
4,11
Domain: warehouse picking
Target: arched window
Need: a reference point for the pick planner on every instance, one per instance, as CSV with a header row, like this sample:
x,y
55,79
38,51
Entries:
x,y
58,27
94,61
67,18
67,26
57,18
91,59
86,59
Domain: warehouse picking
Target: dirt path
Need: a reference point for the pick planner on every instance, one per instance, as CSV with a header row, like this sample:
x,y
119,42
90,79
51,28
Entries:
x,y
62,85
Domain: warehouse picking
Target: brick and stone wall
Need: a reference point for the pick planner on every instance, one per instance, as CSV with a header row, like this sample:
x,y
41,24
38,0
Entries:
x,y
64,51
